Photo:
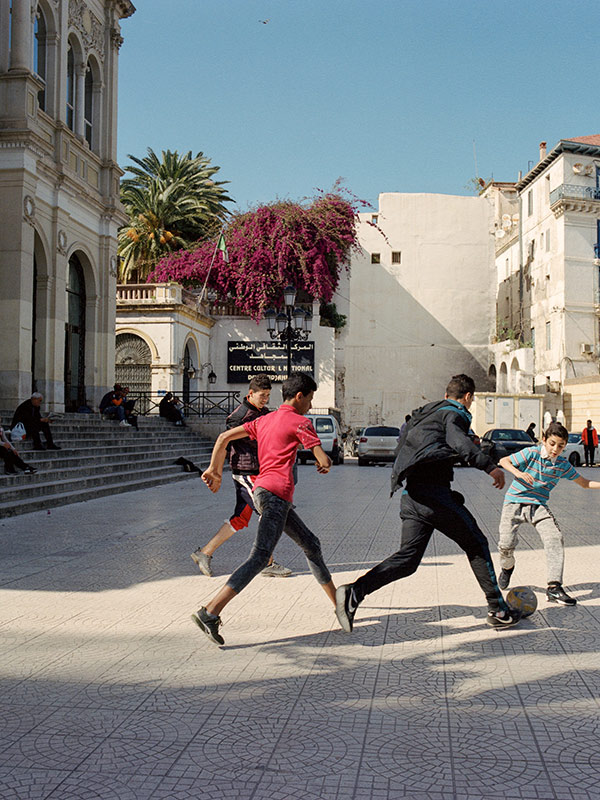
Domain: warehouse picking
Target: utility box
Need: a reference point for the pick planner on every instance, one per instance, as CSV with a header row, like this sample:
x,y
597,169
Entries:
x,y
493,410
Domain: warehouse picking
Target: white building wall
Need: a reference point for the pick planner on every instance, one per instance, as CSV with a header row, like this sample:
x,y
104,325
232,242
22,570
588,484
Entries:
x,y
413,325
231,328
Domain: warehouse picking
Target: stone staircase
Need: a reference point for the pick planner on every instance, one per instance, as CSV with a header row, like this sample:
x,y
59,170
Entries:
x,y
98,458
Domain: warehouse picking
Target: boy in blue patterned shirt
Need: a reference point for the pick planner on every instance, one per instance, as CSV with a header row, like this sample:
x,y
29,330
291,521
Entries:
x,y
537,470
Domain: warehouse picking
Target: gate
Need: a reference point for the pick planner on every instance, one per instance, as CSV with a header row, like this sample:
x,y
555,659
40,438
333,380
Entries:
x,y
133,366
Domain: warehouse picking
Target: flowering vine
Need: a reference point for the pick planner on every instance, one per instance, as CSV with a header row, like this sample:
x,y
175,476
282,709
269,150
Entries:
x,y
304,244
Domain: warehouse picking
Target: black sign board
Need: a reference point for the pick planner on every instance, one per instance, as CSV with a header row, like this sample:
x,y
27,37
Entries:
x,y
246,359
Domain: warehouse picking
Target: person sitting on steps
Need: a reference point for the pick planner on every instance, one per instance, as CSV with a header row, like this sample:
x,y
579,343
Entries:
x,y
29,414
11,458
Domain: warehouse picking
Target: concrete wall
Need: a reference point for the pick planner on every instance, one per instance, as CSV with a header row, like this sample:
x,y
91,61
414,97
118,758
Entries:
x,y
413,325
229,328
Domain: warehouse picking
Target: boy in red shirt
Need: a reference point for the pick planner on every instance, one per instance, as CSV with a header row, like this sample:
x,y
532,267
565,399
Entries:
x,y
278,435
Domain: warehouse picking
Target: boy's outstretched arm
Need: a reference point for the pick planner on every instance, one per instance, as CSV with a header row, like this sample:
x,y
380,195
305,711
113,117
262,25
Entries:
x,y
322,460
213,475
525,477
585,484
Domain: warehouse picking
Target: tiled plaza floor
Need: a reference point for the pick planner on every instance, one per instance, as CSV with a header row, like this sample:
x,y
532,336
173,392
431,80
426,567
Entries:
x,y
109,692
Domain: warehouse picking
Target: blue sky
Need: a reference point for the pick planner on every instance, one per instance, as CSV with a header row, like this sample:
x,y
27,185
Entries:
x,y
388,94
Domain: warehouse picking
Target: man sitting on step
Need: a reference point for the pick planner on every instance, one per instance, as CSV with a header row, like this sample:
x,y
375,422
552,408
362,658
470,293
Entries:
x,y
112,407
29,414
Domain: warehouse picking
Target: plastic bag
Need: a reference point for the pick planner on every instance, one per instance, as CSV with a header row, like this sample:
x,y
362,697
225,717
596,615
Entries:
x,y
18,433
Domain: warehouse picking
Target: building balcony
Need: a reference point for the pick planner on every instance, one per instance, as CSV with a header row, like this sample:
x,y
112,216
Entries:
x,y
572,197
160,294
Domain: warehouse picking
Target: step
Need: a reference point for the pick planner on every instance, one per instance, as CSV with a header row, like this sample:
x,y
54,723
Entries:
x,y
55,500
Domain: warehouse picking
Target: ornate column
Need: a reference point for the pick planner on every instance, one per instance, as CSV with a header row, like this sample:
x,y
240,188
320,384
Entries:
x,y
21,57
80,97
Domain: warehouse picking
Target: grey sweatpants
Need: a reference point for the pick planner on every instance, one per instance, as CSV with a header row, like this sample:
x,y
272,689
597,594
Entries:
x,y
516,514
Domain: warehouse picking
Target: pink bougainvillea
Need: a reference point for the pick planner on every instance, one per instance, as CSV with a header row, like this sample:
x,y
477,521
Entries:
x,y
305,244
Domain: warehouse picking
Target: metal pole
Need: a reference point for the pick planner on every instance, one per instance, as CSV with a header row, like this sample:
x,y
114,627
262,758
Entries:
x,y
288,336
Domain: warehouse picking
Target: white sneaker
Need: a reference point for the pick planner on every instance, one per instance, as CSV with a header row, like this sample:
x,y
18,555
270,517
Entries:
x,y
124,424
276,570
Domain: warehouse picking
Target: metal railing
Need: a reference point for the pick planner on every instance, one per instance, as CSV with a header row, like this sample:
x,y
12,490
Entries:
x,y
569,191
199,404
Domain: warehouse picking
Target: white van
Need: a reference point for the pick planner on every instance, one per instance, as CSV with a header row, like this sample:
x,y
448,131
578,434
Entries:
x,y
328,430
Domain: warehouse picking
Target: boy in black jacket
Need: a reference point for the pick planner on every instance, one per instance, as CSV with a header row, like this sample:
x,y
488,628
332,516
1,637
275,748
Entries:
x,y
428,447
243,460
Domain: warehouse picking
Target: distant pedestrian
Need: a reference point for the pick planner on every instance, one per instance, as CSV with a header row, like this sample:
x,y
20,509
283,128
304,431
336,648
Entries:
x,y
531,432
425,457
29,414
537,470
589,437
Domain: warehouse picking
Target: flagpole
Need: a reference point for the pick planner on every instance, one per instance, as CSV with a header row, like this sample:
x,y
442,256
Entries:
x,y
212,261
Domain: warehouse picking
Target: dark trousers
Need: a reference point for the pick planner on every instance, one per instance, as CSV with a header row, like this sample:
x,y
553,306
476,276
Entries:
x,y
34,429
590,450
423,509
11,459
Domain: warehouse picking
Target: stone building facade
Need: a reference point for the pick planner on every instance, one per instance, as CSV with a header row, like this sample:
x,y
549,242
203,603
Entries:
x,y
59,198
547,234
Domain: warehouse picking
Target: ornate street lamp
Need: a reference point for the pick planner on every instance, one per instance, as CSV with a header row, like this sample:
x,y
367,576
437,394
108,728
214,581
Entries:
x,y
293,325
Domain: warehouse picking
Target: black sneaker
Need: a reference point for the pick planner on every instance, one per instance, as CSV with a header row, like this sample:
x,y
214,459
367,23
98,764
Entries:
x,y
29,470
504,577
503,619
209,623
345,606
54,447
556,594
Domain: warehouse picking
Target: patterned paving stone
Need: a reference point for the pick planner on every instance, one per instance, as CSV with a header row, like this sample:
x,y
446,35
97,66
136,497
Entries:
x,y
29,784
108,691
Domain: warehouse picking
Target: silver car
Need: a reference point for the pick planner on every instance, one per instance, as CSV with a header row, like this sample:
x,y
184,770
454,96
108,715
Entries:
x,y
377,443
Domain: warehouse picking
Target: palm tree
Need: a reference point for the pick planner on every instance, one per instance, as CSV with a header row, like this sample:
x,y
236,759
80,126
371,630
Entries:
x,y
172,202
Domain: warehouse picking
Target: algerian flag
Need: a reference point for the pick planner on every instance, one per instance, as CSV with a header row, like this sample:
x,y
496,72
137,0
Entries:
x,y
223,248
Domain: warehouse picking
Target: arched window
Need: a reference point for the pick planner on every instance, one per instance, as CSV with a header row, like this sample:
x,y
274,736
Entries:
x,y
40,54
70,88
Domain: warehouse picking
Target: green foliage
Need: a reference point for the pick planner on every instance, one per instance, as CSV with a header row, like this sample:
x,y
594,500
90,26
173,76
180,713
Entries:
x,y
171,202
330,317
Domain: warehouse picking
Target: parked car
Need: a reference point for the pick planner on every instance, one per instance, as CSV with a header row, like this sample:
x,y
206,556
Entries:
x,y
377,443
328,430
574,450
500,442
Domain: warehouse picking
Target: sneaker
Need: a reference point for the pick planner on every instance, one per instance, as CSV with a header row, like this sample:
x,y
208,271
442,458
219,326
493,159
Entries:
x,y
124,423
504,577
345,606
203,562
556,594
54,447
503,619
276,570
10,470
29,470
209,623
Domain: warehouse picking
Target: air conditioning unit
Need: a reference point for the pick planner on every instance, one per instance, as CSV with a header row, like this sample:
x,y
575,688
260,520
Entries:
x,y
586,349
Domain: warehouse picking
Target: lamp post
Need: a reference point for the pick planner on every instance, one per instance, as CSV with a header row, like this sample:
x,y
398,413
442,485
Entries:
x,y
293,325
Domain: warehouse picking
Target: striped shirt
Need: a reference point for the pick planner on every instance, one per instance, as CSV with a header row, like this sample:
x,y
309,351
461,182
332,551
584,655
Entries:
x,y
545,476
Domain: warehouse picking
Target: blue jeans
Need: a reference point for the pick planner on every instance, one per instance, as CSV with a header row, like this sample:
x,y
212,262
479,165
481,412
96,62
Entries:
x,y
116,412
277,516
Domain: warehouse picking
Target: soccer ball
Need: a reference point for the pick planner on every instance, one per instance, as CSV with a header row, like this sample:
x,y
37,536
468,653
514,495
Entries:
x,y
522,599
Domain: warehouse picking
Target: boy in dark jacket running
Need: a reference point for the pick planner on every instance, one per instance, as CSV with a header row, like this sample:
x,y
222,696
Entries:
x,y
429,446
243,460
